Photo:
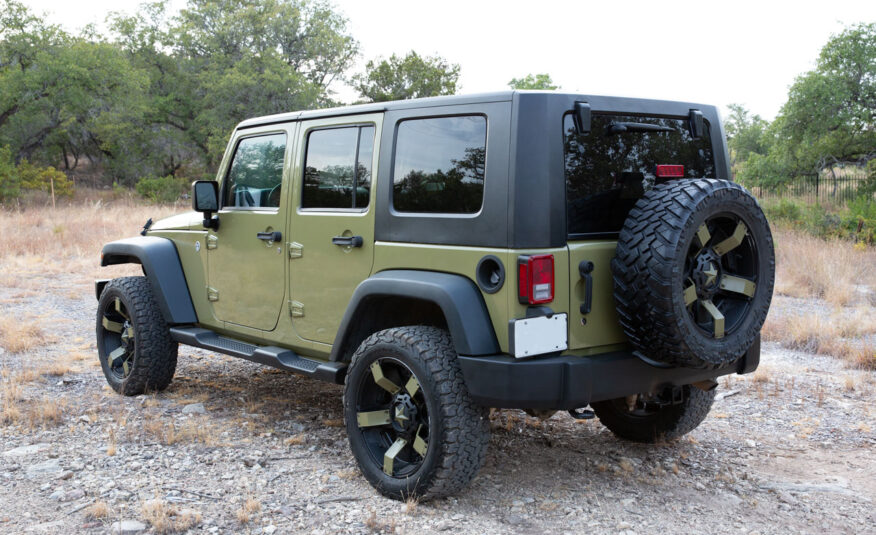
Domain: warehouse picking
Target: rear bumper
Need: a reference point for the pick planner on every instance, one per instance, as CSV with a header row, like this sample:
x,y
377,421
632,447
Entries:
x,y
570,382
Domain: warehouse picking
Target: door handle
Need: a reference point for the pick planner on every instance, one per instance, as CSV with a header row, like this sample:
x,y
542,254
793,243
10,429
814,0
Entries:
x,y
270,236
348,241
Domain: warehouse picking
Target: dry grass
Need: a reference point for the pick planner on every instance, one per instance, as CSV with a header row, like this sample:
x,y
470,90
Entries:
x,y
99,510
165,518
39,241
19,335
807,266
845,333
193,430
250,507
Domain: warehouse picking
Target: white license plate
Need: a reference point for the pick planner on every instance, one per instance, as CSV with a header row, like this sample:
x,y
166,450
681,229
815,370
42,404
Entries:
x,y
536,336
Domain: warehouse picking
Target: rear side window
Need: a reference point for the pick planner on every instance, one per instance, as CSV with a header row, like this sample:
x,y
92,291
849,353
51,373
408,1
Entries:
x,y
337,168
610,167
439,165
255,178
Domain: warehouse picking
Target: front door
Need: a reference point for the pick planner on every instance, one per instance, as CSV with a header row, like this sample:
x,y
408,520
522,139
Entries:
x,y
332,229
246,264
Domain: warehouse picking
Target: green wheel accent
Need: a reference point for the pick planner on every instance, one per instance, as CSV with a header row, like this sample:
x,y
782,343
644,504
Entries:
x,y
717,318
391,453
381,380
703,235
116,354
412,386
690,294
373,418
120,308
738,285
734,241
112,326
420,446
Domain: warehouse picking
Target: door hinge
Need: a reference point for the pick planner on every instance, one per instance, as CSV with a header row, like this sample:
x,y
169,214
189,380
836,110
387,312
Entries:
x,y
212,294
212,241
296,309
296,250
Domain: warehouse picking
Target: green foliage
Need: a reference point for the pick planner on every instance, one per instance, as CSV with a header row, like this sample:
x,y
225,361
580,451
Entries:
x,y
166,189
48,179
27,176
533,81
856,222
10,184
412,76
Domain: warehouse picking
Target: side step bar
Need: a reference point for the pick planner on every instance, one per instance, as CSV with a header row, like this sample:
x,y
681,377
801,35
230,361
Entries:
x,y
278,357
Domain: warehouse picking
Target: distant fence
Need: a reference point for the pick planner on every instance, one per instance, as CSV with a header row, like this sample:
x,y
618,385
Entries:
x,y
838,188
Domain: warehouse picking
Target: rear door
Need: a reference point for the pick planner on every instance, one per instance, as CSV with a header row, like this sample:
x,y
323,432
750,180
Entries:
x,y
246,265
607,170
332,226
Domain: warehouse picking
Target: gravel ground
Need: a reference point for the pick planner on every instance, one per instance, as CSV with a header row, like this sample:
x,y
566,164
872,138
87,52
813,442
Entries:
x,y
232,447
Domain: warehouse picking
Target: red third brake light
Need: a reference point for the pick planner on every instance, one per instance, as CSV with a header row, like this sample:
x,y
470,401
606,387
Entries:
x,y
535,279
670,171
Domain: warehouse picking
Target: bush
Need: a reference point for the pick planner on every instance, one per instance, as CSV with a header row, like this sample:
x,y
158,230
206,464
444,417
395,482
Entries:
x,y
10,185
165,189
855,222
27,176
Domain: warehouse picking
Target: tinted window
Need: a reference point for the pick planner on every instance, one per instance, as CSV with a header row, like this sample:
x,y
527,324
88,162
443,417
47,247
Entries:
x,y
256,175
331,180
610,167
439,165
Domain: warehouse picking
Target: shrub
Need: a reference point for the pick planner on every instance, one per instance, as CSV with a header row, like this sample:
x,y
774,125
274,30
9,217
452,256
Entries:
x,y
165,189
10,185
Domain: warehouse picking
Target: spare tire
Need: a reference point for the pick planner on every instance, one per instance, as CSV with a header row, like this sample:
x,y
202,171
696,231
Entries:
x,y
694,272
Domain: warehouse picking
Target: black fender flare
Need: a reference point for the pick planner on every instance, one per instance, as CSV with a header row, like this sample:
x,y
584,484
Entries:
x,y
162,268
462,304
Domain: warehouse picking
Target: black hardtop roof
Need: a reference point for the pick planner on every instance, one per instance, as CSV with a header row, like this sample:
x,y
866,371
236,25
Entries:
x,y
604,103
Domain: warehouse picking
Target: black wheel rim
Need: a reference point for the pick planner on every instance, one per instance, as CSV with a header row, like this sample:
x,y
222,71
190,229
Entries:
x,y
393,418
720,275
119,344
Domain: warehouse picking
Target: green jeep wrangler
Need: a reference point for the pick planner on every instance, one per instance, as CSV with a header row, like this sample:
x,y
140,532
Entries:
x,y
535,250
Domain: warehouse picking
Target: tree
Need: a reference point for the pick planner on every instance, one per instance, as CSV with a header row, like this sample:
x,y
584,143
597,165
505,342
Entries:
x,y
533,81
747,137
830,116
412,76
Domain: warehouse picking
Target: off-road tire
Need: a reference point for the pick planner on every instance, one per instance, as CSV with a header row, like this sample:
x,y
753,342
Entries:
x,y
459,429
667,423
154,354
649,272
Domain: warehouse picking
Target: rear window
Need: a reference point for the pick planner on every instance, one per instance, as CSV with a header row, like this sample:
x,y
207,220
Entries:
x,y
610,167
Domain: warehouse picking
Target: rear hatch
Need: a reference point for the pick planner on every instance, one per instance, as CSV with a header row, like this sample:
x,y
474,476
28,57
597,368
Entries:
x,y
607,170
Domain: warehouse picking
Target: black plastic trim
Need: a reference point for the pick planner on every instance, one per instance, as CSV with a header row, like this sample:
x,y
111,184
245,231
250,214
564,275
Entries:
x,y
162,267
98,287
569,381
458,298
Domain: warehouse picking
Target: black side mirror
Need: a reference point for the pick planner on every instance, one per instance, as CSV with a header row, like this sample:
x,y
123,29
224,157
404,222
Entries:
x,y
205,199
581,117
696,124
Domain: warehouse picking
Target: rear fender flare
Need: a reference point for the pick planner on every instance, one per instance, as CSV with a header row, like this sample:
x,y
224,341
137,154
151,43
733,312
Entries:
x,y
459,299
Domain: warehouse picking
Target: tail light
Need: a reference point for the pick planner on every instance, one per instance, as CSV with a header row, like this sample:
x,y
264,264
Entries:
x,y
535,279
670,171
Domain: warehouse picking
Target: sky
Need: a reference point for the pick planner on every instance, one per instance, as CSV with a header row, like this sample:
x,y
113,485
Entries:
x,y
745,52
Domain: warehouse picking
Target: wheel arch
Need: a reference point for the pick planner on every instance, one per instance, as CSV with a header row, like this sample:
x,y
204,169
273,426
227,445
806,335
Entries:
x,y
396,298
163,269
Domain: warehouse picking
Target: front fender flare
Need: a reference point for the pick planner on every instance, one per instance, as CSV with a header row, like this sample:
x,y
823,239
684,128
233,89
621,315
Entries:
x,y
462,304
162,267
